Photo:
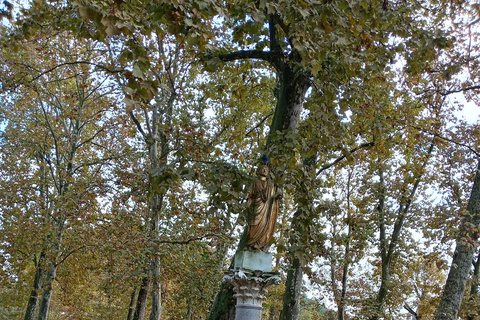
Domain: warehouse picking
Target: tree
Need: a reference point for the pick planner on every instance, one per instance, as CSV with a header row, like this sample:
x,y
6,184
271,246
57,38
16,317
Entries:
x,y
463,257
59,117
335,94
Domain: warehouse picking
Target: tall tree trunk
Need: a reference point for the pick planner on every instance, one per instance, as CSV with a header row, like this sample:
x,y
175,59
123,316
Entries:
x,y
37,286
387,249
294,82
343,295
156,293
131,307
142,299
47,292
474,286
462,258
293,289
299,233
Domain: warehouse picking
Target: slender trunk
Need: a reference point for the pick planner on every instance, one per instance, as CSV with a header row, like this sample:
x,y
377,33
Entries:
x,y
462,258
343,294
142,299
189,311
387,251
37,286
293,288
131,307
474,286
156,292
47,292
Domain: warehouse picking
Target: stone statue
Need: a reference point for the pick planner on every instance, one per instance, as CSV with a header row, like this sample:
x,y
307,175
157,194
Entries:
x,y
262,208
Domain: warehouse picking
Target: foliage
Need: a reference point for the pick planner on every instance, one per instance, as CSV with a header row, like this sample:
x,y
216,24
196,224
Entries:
x,y
131,131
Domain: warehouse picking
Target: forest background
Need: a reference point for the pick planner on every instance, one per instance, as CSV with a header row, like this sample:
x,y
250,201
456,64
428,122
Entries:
x,y
131,131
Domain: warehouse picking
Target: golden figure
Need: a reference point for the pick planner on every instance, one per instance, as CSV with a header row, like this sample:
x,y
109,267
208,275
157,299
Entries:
x,y
262,208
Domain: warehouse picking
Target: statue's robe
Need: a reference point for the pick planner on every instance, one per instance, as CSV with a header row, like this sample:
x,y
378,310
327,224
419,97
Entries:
x,y
262,208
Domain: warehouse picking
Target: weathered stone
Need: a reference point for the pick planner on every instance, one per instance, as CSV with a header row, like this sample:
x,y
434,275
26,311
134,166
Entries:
x,y
254,260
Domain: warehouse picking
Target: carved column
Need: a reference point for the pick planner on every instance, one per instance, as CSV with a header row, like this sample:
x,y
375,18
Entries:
x,y
250,288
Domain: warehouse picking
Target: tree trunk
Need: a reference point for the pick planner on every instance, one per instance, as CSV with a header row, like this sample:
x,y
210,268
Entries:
x,y
37,285
156,290
387,250
47,292
223,305
293,289
293,85
142,299
131,307
462,258
156,293
189,311
474,286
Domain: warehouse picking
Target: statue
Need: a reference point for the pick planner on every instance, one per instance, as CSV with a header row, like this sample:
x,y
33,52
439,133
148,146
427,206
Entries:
x,y
262,208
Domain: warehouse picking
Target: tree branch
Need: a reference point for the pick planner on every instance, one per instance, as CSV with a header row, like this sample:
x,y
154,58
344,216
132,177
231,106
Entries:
x,y
259,124
447,92
246,54
70,63
411,311
449,140
139,126
327,166
184,242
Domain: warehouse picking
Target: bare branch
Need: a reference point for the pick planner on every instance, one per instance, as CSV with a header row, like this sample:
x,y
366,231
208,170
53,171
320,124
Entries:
x,y
139,126
327,166
259,124
101,67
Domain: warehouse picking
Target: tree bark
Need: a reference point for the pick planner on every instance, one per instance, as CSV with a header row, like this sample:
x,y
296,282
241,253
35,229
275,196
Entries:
x,y
343,294
142,299
131,307
47,292
474,286
462,258
37,286
156,293
293,288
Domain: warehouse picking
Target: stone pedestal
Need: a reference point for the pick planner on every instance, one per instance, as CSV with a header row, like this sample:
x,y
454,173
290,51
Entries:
x,y
252,260
250,284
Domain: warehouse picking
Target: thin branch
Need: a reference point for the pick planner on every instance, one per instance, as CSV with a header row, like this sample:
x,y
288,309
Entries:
x,y
70,63
139,126
184,242
259,124
449,140
91,138
99,161
447,92
327,166
411,311
69,254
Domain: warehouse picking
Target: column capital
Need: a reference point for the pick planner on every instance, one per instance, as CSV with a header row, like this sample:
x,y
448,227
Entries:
x,y
250,286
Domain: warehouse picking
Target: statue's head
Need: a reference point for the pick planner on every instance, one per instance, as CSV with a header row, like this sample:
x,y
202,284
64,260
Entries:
x,y
263,171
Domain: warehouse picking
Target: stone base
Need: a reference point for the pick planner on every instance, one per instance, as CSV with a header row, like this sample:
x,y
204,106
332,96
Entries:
x,y
254,260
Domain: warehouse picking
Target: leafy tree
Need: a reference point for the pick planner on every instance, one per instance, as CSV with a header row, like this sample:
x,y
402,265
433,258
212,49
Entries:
x,y
58,122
